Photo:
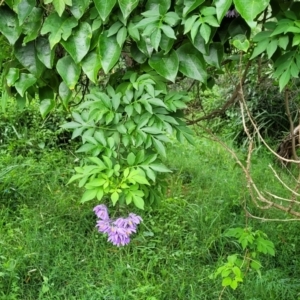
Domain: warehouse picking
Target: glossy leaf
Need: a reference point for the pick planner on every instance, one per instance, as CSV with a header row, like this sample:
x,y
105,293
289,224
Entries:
x,y
190,5
25,81
104,7
91,65
78,44
215,55
9,25
191,63
69,71
79,7
222,7
109,51
44,52
58,27
32,25
165,65
24,9
127,6
12,76
65,94
249,9
27,56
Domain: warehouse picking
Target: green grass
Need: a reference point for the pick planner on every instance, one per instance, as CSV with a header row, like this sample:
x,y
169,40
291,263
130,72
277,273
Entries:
x,y
50,249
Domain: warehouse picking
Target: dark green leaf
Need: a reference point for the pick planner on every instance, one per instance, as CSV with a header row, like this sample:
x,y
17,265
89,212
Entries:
x,y
25,81
91,65
104,7
165,65
44,52
78,43
79,7
191,63
69,71
65,94
12,76
127,6
222,7
27,56
24,9
190,5
9,25
215,55
32,25
109,51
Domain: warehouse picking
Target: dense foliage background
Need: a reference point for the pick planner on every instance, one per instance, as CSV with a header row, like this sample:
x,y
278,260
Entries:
x,y
184,112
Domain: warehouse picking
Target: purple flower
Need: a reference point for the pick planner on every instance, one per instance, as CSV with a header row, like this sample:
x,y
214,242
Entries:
x,y
118,230
118,236
101,212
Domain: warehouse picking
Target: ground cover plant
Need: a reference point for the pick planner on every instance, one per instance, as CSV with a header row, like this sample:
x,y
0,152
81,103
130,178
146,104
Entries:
x,y
109,80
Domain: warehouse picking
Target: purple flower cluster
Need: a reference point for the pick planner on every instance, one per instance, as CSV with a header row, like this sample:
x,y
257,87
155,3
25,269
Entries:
x,y
118,230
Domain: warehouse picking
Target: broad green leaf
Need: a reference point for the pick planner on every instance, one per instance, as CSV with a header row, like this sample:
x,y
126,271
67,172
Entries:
x,y
127,6
165,65
191,63
260,48
69,71
12,76
241,45
109,51
226,281
59,27
24,82
215,55
284,79
161,6
114,198
104,7
159,147
205,32
159,168
222,7
249,9
79,7
131,159
91,65
24,9
190,5
155,38
89,195
9,25
46,107
32,25
59,6
65,94
272,47
121,36
138,202
44,52
27,56
78,44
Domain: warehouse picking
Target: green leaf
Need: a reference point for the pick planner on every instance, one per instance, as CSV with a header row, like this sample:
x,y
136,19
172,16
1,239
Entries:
x,y
127,6
59,6
65,94
205,32
44,52
260,48
91,65
215,55
46,107
155,38
12,76
190,5
24,8
159,168
78,44
59,27
165,65
104,7
249,9
32,25
131,159
24,82
121,36
89,195
138,202
79,7
9,25
222,6
226,281
191,63
272,47
159,147
69,71
114,198
241,45
109,51
27,56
